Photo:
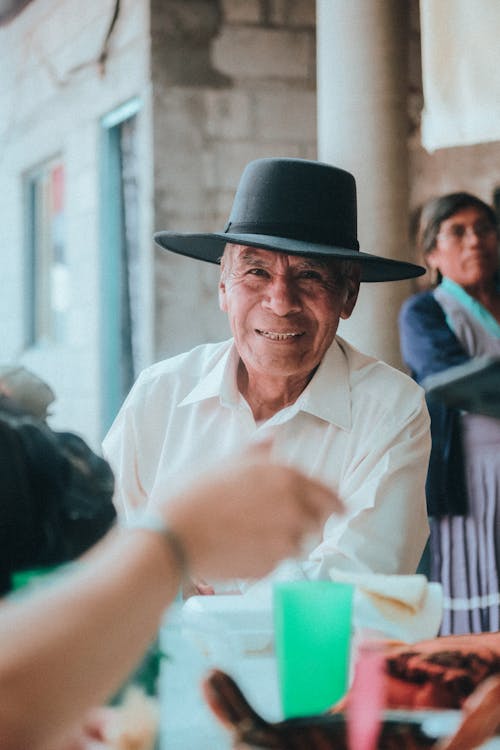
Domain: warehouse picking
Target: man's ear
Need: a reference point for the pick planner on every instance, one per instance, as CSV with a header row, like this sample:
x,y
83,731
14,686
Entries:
x,y
222,295
350,298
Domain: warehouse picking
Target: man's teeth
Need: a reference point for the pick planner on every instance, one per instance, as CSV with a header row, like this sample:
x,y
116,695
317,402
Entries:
x,y
279,336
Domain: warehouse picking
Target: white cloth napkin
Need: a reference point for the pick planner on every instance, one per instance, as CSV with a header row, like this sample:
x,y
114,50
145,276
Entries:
x,y
403,608
388,607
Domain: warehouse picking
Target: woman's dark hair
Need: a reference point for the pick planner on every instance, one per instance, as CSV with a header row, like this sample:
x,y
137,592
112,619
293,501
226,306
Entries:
x,y
439,209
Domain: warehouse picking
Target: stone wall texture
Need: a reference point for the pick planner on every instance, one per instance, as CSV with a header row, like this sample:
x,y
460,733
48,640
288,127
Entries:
x,y
232,81
220,82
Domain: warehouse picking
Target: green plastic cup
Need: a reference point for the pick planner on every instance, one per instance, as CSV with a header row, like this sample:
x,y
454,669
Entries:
x,y
312,639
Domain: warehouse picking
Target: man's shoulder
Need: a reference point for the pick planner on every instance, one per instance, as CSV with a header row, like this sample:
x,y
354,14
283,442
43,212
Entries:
x,y
194,363
371,379
363,365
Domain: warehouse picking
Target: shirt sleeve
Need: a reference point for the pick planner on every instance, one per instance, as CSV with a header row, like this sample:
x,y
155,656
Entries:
x,y
386,526
428,345
120,450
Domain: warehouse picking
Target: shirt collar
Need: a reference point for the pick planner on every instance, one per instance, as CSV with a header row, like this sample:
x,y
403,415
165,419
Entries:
x,y
327,396
219,382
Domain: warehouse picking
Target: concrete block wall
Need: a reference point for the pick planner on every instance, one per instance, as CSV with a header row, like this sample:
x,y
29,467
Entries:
x,y
52,96
233,81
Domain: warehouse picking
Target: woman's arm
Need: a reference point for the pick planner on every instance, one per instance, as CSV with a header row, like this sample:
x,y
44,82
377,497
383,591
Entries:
x,y
428,344
69,646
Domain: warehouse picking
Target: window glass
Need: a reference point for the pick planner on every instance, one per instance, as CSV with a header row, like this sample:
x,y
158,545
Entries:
x,y
121,295
48,277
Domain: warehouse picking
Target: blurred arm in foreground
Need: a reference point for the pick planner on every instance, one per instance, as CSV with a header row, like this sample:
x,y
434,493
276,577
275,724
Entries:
x,y
69,647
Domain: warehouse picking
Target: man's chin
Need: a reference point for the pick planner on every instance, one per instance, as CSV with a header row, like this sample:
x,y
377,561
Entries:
x,y
280,367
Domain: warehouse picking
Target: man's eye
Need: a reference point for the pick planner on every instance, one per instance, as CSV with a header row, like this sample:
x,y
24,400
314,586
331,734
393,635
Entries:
x,y
257,272
315,275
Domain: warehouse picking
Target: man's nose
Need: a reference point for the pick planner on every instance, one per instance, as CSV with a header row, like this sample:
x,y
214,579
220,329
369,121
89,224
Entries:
x,y
282,296
472,234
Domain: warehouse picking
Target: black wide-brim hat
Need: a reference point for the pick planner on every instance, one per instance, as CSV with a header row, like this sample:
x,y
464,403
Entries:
x,y
294,206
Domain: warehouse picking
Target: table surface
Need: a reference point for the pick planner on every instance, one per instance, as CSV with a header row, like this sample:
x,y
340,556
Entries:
x,y
186,721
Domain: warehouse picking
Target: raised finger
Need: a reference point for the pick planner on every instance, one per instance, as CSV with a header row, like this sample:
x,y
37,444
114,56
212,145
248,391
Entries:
x,y
318,500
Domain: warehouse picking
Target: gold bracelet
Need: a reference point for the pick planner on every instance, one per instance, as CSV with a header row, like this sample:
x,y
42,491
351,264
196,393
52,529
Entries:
x,y
148,521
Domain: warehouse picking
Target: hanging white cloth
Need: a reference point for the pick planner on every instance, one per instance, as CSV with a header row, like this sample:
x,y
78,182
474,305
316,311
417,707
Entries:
x,y
461,72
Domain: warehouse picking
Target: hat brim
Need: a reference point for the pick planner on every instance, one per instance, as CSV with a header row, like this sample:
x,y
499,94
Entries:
x,y
210,247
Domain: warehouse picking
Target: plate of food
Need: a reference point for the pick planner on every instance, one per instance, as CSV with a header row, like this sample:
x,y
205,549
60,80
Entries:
x,y
442,693
396,730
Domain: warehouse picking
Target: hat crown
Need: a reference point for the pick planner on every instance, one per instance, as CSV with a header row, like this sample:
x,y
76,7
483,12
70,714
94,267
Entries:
x,y
293,206
296,198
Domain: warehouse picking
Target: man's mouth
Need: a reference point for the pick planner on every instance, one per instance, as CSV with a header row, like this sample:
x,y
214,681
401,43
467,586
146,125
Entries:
x,y
280,335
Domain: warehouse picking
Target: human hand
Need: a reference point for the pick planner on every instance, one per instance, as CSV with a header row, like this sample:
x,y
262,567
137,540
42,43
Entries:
x,y
91,734
480,717
196,587
242,520
130,726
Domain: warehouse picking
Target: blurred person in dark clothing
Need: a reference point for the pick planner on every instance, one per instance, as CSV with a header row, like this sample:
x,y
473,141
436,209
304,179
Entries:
x,y
56,492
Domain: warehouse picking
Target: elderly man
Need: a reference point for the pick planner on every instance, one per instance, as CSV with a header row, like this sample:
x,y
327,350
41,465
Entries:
x,y
290,270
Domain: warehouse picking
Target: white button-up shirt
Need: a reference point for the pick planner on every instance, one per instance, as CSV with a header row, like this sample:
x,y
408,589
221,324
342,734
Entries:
x,y
359,426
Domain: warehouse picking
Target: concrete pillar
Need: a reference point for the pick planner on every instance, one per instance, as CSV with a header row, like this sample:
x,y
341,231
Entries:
x,y
362,126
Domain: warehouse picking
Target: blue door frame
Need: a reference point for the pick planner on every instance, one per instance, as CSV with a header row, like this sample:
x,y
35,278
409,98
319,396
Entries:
x,y
112,271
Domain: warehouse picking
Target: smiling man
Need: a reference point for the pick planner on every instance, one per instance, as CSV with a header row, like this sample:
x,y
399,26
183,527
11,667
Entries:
x,y
290,270
284,311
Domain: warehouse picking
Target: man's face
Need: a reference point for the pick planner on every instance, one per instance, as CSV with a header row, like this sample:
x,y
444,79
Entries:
x,y
284,310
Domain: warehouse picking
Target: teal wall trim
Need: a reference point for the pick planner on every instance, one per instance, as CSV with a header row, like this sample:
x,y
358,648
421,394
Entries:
x,y
111,239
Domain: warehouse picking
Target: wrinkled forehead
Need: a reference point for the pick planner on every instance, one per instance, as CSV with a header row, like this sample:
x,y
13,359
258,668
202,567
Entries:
x,y
243,255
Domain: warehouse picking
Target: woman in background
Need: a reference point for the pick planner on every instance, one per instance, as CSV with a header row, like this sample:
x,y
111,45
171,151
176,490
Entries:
x,y
457,320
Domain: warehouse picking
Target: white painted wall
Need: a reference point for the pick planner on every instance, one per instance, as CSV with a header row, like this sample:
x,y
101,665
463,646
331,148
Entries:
x,y
52,97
